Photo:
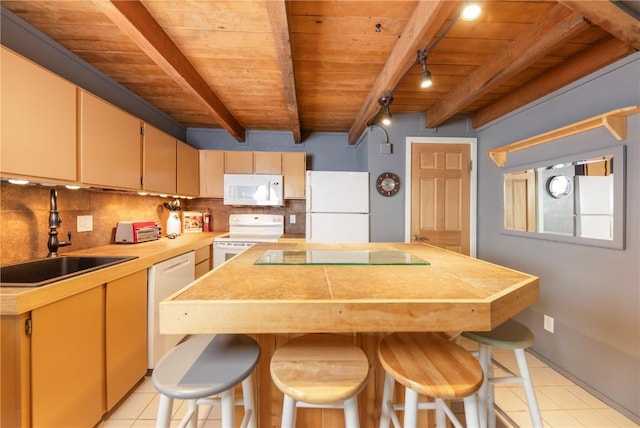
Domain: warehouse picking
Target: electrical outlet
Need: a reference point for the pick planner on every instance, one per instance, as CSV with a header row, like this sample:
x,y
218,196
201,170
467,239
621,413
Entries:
x,y
548,323
85,223
292,218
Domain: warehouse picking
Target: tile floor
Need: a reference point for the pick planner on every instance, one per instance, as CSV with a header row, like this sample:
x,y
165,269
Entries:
x,y
563,404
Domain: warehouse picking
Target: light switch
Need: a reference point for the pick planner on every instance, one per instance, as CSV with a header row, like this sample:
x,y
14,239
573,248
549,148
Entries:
x,y
85,223
292,219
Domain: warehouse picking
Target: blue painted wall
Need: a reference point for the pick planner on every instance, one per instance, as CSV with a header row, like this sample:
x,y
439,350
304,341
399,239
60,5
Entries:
x,y
592,293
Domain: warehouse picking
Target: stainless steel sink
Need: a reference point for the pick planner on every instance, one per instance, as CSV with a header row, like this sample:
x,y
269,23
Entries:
x,y
37,273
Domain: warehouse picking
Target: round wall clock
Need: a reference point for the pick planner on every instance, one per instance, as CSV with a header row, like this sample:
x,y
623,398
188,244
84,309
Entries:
x,y
388,184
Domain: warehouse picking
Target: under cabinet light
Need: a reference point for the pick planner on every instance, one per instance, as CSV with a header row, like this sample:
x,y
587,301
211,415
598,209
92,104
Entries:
x,y
17,181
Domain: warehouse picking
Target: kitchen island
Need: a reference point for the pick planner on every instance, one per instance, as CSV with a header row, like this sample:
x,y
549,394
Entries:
x,y
273,302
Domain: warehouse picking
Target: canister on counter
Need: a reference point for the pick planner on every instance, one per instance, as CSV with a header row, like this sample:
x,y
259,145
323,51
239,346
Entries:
x,y
206,221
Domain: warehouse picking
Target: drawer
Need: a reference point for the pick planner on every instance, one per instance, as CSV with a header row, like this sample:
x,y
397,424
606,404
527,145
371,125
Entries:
x,y
202,268
203,254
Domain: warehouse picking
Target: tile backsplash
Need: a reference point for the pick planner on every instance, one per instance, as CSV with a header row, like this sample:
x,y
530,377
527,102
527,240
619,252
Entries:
x,y
24,217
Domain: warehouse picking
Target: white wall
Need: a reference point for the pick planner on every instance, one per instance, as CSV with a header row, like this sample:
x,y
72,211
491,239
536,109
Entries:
x,y
592,293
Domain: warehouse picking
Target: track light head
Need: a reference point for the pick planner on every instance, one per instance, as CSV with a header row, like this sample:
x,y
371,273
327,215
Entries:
x,y
425,80
385,101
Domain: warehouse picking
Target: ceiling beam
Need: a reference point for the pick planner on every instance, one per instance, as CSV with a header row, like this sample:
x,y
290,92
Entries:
x,y
138,24
609,17
426,20
556,26
576,67
278,17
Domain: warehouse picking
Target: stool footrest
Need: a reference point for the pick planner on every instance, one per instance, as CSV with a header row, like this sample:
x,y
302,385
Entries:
x,y
425,405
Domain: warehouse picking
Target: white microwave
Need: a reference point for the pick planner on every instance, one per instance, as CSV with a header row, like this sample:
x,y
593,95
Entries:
x,y
253,190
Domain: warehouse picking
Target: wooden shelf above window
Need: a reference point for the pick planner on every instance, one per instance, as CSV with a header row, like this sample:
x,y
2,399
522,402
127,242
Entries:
x,y
615,121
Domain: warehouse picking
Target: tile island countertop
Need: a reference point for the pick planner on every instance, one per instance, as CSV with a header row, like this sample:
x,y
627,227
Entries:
x,y
451,293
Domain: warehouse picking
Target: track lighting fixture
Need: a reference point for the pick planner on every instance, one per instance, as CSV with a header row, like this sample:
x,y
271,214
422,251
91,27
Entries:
x,y
385,101
471,11
425,79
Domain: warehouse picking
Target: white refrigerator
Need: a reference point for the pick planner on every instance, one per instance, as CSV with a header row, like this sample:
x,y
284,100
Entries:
x,y
337,206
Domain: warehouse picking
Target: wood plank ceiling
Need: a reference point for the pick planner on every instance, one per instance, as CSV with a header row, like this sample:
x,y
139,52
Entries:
x,y
308,66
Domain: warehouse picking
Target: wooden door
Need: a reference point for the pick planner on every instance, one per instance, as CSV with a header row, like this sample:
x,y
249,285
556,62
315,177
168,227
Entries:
x,y
440,195
520,201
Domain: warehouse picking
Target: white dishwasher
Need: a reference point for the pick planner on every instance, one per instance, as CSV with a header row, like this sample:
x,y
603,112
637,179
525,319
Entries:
x,y
164,279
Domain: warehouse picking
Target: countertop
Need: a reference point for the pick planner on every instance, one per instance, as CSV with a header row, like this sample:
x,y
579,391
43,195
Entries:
x,y
15,301
453,293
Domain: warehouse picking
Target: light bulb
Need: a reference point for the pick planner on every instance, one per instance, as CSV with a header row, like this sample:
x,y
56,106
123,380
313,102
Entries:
x,y
471,11
425,81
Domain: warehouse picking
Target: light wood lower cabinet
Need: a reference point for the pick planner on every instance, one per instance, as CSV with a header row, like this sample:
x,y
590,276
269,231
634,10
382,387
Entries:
x,y
67,361
125,335
203,260
15,374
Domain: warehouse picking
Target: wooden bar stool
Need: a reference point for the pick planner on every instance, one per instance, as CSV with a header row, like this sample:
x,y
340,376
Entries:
x,y
508,335
428,364
204,366
322,371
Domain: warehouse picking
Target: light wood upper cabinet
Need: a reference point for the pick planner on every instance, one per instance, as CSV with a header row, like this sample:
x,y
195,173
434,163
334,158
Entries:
x,y
125,335
243,162
237,162
212,173
159,166
38,116
267,163
294,166
110,144
67,362
214,164
188,176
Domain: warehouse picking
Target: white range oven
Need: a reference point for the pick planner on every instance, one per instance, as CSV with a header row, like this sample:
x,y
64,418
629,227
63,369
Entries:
x,y
244,231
